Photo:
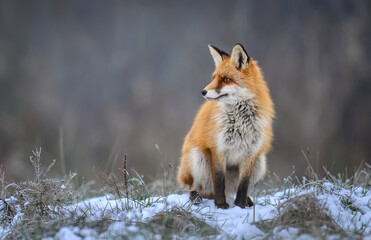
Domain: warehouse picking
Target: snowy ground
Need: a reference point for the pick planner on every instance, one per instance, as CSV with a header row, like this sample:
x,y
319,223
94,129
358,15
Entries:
x,y
349,207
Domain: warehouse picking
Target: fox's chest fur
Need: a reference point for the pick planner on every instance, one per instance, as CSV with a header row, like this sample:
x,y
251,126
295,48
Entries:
x,y
241,131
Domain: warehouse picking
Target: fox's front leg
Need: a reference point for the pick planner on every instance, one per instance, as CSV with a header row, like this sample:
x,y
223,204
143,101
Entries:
x,y
219,186
219,183
242,200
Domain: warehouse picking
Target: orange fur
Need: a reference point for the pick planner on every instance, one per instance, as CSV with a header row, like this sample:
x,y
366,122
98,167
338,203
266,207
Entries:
x,y
205,128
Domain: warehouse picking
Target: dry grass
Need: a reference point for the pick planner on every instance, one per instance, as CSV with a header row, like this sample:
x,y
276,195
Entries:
x,y
181,222
7,212
122,185
43,197
305,213
43,203
167,182
40,201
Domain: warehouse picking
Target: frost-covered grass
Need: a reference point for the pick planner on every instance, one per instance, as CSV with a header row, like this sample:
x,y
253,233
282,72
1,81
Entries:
x,y
322,208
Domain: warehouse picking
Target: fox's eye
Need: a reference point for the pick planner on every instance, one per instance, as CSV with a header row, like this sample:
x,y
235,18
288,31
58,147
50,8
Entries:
x,y
226,80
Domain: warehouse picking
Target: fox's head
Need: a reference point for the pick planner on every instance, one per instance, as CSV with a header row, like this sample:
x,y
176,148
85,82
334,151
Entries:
x,y
235,76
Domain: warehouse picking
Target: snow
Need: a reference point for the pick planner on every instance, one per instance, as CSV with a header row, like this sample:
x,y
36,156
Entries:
x,y
66,233
234,222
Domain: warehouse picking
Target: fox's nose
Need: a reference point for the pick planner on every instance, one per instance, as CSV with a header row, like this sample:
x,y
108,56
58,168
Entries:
x,y
203,92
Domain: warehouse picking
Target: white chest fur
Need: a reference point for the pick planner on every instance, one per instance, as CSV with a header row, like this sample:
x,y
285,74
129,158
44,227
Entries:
x,y
241,133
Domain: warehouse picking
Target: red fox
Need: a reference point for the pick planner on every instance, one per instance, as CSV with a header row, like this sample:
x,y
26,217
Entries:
x,y
231,134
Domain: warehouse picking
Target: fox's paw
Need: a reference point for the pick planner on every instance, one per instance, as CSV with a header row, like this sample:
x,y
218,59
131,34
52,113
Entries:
x,y
240,204
195,198
223,205
244,203
249,202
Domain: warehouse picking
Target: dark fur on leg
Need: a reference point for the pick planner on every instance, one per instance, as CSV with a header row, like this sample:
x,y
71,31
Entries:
x,y
220,199
241,200
195,197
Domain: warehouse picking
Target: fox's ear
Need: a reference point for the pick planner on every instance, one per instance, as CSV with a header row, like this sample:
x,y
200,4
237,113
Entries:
x,y
239,57
217,54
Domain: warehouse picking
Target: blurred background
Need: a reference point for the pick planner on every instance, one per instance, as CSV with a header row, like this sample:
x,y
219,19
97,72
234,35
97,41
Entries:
x,y
90,81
